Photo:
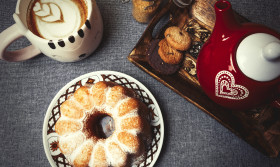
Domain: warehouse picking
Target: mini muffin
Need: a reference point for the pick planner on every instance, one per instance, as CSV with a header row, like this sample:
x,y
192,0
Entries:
x,y
177,38
168,54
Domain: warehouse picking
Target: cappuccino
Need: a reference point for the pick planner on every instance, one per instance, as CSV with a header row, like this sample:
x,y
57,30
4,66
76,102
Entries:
x,y
56,19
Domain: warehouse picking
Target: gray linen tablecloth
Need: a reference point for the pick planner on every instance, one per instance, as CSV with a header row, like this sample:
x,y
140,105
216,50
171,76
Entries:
x,y
192,138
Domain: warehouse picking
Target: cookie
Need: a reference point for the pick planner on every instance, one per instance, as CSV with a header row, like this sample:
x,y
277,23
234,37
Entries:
x,y
177,38
168,54
157,63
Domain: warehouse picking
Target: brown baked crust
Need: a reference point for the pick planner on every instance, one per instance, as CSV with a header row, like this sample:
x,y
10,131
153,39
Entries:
x,y
177,38
168,54
77,131
157,63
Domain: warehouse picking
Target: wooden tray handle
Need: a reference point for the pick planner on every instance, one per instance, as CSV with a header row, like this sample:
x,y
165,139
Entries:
x,y
149,30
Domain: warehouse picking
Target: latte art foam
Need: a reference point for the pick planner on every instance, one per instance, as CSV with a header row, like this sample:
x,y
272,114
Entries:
x,y
56,19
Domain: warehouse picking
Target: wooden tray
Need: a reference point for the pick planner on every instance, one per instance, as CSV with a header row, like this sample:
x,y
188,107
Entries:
x,y
259,127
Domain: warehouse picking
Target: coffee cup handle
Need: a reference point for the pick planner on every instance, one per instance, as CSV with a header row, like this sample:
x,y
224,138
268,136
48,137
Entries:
x,y
10,35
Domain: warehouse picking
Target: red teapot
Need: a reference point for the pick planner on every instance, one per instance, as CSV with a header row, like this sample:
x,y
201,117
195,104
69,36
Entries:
x,y
239,66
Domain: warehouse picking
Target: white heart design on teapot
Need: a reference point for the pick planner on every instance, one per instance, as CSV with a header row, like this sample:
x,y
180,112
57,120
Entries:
x,y
226,88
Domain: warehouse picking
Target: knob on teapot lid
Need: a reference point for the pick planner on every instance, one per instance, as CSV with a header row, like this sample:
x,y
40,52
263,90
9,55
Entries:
x,y
258,57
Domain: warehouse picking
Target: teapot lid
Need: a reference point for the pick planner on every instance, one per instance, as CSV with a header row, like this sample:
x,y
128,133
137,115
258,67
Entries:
x,y
258,57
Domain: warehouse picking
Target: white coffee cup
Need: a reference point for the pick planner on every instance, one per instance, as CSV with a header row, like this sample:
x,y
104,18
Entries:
x,y
74,47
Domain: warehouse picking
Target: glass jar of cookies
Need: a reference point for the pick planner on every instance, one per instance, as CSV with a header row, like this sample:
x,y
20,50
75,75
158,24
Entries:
x,y
144,10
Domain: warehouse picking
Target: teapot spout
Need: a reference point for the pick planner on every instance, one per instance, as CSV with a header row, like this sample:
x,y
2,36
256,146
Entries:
x,y
225,19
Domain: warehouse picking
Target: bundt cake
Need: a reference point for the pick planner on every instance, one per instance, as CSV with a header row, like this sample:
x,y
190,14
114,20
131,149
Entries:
x,y
103,125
